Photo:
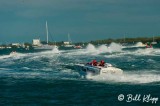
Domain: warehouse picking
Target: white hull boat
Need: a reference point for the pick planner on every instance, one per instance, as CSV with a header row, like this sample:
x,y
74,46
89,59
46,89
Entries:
x,y
84,69
45,47
68,45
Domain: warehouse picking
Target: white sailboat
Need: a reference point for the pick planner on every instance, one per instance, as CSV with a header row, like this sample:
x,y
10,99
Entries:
x,y
153,42
46,46
69,43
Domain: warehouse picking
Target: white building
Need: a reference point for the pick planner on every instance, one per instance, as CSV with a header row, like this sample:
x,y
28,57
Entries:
x,y
36,42
2,47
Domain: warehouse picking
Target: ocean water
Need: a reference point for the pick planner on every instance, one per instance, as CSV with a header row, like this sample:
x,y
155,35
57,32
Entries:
x,y
36,78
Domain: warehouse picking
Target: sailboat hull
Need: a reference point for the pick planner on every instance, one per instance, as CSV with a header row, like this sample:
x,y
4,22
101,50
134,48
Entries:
x,y
44,47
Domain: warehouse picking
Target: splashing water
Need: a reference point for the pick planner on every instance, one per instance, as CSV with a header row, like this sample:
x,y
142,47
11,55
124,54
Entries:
x,y
91,48
55,50
134,77
103,48
139,44
114,47
54,74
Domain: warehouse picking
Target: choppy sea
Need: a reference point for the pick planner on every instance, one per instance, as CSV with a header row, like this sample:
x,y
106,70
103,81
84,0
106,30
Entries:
x,y
42,78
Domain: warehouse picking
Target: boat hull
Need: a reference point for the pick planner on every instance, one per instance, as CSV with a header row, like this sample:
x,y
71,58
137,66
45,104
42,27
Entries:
x,y
45,47
97,70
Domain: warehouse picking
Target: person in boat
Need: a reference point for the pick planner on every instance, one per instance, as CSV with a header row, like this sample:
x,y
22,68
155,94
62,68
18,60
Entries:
x,y
93,63
150,45
146,45
102,63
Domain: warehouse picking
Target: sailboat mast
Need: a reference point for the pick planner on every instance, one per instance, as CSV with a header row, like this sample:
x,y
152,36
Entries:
x,y
47,31
69,39
124,39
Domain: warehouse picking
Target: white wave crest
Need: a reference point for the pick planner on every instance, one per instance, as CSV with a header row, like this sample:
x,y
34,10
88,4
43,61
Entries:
x,y
129,77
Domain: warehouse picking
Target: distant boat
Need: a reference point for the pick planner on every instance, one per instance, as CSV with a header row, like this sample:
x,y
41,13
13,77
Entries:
x,y
153,42
149,46
13,53
139,44
69,43
95,68
78,47
46,46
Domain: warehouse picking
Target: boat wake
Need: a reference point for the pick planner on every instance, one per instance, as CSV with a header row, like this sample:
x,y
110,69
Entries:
x,y
15,55
127,77
93,50
138,52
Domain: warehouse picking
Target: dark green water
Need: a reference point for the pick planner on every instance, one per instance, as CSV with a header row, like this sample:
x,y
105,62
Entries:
x,y
46,78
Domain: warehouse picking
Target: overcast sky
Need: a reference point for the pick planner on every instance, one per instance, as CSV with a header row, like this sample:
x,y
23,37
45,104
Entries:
x,y
84,20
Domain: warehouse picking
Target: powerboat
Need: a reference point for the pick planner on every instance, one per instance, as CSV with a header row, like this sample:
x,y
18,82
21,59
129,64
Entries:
x,y
85,69
78,47
13,53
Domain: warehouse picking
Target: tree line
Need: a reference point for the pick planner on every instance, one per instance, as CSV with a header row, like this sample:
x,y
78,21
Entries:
x,y
105,41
